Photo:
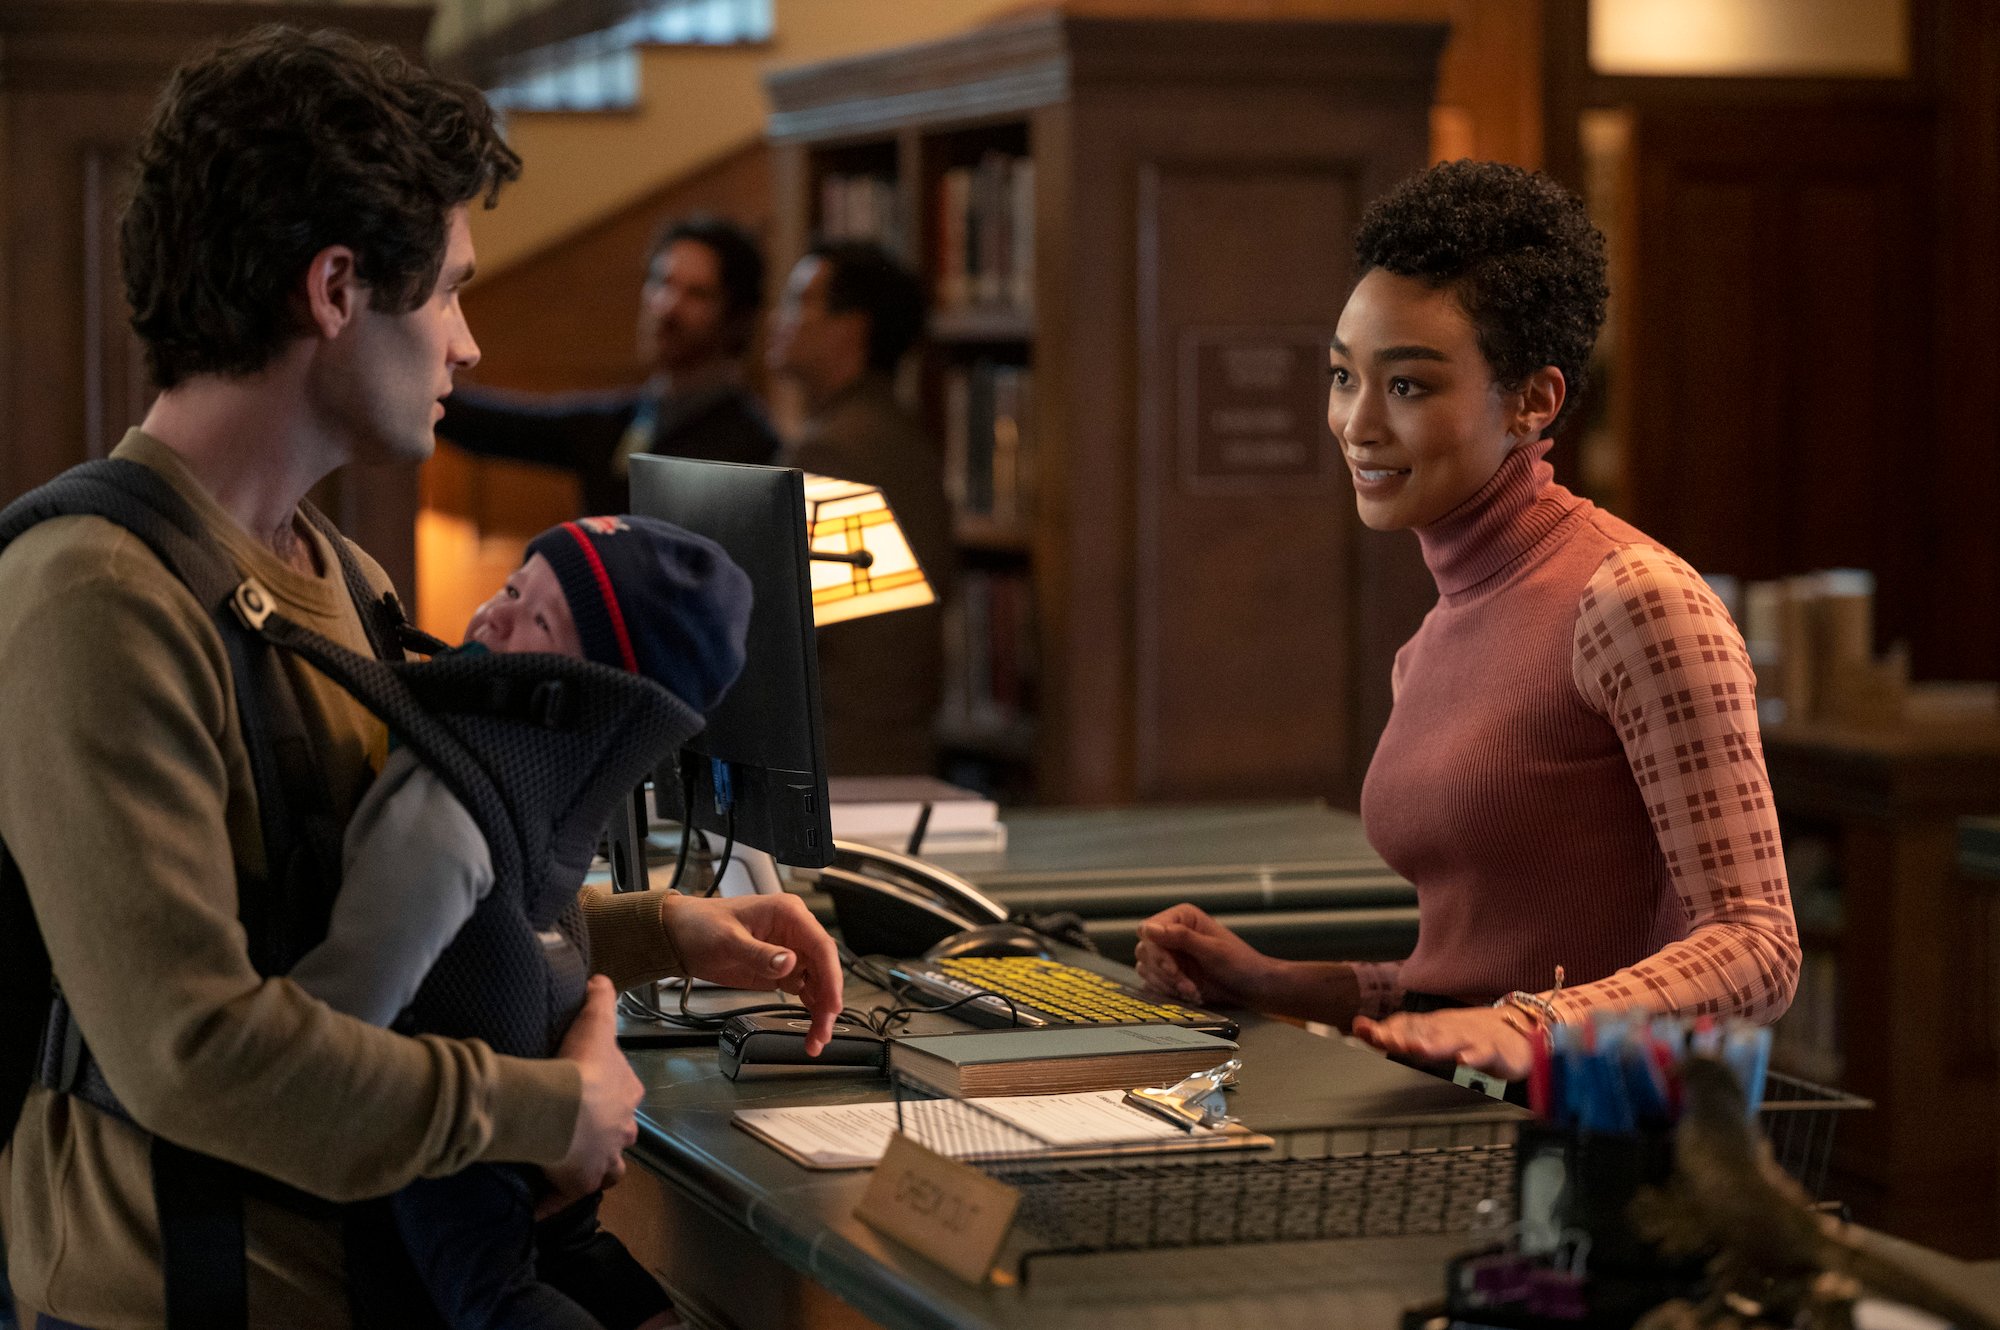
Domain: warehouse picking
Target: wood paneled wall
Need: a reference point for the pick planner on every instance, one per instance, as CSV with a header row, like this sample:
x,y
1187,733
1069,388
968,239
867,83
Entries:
x,y
1489,96
567,317
1210,622
77,81
1811,316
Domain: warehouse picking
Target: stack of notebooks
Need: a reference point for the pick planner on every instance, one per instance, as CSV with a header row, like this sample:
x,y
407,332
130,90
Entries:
x,y
1055,1061
883,811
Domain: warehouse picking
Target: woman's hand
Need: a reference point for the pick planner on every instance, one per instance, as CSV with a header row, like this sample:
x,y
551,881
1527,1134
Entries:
x,y
1482,1038
1185,954
759,942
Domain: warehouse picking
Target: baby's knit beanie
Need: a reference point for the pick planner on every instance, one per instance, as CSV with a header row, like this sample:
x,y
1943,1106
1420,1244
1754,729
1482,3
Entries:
x,y
655,599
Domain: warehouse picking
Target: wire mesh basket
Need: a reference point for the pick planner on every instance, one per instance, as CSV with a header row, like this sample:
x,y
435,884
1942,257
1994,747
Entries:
x,y
1388,1178
1799,1118
1172,1189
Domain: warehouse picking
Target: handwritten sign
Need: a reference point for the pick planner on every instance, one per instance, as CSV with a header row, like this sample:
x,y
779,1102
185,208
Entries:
x,y
948,1211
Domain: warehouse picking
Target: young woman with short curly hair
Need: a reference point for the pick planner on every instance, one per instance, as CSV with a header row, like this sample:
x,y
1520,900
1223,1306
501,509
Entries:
x,y
1571,773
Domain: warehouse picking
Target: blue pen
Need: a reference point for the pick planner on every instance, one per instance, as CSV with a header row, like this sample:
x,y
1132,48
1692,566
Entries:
x,y
1565,1062
1747,1051
1614,1105
1646,1081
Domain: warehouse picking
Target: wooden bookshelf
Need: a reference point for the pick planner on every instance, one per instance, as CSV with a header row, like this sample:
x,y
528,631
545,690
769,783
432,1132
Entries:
x,y
1136,232
1902,972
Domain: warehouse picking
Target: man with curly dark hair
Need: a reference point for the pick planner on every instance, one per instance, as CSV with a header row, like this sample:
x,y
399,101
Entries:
x,y
293,252
1571,773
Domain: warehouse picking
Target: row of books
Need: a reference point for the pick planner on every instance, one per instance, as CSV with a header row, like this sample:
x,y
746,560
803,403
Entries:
x,y
860,207
990,675
989,440
986,234
985,240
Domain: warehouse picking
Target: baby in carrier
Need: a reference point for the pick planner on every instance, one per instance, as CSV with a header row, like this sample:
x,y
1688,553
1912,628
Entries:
x,y
630,592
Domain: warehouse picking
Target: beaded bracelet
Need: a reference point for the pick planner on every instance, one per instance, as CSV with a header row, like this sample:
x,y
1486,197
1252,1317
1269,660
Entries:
x,y
1543,1010
1537,1006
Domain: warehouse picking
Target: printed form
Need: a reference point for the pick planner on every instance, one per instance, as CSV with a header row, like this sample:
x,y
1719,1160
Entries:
x,y
855,1135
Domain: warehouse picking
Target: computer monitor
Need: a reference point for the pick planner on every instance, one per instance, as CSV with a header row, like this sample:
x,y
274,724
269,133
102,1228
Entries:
x,y
759,766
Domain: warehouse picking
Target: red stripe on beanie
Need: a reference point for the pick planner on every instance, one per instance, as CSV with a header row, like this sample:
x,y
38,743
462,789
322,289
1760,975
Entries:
x,y
610,596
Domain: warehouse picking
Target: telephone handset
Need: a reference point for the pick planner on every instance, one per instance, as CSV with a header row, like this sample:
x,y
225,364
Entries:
x,y
891,904
888,904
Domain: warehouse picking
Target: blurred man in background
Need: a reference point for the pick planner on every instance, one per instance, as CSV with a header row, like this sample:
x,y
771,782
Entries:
x,y
698,314
849,315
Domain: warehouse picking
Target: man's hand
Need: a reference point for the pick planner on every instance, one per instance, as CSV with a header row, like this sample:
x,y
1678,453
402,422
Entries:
x,y
759,942
606,1122
1186,954
1482,1038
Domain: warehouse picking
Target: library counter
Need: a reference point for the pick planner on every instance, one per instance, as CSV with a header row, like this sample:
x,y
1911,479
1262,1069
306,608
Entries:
x,y
745,1237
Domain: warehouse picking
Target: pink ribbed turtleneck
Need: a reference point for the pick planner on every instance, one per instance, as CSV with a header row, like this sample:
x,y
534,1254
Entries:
x,y
1571,774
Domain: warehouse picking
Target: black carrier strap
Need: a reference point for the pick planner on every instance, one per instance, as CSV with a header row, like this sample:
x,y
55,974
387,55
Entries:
x,y
201,1239
390,632
510,735
200,1200
301,841
26,986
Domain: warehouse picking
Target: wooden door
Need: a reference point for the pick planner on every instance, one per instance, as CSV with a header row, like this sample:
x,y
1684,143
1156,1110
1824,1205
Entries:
x,y
1779,405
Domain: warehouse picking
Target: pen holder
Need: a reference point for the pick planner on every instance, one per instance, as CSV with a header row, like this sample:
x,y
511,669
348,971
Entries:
x,y
1575,1183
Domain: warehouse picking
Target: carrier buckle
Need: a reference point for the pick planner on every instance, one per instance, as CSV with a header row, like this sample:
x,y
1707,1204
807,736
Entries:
x,y
252,604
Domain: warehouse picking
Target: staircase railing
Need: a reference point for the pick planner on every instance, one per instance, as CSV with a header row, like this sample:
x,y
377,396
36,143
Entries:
x,y
579,54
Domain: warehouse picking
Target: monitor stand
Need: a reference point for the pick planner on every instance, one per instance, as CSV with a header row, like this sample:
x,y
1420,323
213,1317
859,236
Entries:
x,y
627,843
751,872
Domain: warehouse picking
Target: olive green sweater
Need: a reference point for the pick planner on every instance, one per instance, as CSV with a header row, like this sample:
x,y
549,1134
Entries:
x,y
126,797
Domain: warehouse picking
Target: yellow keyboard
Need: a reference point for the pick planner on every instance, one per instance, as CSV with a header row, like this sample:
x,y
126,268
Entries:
x,y
1048,993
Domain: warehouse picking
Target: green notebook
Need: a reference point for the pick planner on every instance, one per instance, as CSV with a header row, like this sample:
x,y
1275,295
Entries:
x,y
1056,1061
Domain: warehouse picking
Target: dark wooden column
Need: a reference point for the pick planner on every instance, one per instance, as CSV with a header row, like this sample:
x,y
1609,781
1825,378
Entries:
x,y
1913,956
78,79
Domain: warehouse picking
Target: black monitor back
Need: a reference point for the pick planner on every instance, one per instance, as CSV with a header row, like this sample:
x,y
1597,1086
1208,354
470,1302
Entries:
x,y
767,729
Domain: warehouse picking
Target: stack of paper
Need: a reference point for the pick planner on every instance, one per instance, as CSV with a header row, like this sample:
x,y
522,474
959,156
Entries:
x,y
883,811
832,1136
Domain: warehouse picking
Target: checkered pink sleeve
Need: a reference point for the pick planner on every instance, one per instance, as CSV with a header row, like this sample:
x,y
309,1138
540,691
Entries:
x,y
1656,653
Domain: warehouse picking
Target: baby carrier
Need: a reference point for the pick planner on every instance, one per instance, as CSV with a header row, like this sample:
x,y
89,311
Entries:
x,y
538,748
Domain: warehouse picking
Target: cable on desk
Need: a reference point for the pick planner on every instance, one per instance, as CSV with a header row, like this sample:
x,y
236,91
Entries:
x,y
887,1020
642,1008
883,1021
683,775
728,850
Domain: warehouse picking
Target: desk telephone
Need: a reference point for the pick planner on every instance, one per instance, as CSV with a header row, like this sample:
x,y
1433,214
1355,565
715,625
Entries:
x,y
892,904
888,904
